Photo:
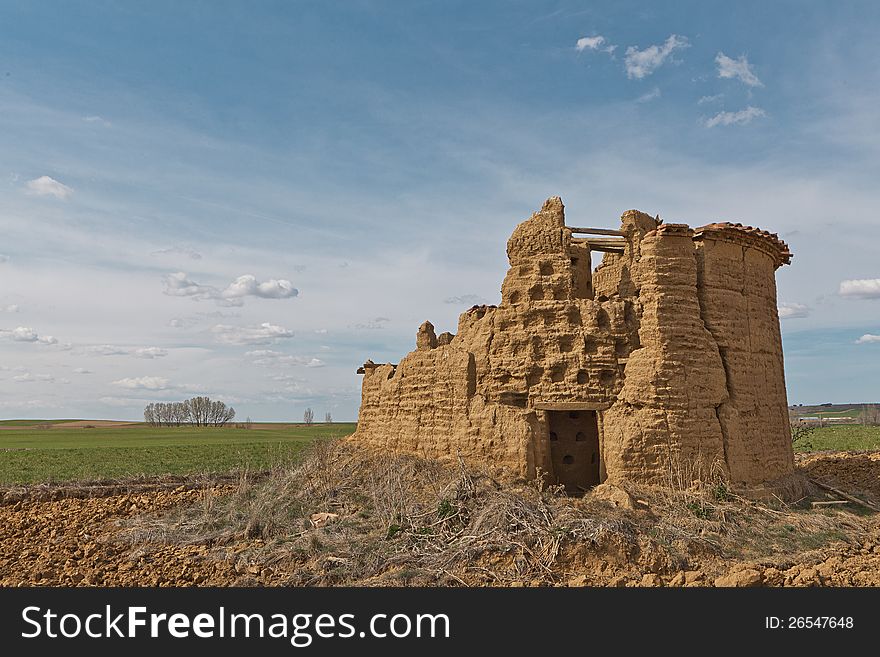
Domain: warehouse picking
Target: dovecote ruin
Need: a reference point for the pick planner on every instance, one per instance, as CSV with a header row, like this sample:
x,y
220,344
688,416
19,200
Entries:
x,y
668,353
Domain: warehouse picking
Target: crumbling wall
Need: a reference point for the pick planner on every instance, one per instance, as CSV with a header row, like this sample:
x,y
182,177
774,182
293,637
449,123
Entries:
x,y
664,419
737,268
675,344
426,405
613,276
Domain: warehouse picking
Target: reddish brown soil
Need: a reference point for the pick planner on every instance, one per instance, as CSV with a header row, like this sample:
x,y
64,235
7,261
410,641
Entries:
x,y
62,537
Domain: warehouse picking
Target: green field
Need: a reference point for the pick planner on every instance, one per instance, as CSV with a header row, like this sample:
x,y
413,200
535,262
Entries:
x,y
60,453
842,437
848,412
30,454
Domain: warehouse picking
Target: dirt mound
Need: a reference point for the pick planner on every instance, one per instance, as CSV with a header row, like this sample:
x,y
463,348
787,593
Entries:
x,y
111,487
855,472
348,518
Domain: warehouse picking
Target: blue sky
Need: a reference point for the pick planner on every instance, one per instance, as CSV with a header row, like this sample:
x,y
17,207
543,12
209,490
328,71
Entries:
x,y
247,200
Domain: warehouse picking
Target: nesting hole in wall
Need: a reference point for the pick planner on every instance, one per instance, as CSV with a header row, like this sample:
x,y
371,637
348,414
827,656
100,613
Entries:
x,y
621,347
590,344
545,268
574,262
533,378
514,296
537,348
568,459
566,343
557,374
606,377
513,398
580,436
536,293
582,377
553,436
574,315
601,297
603,321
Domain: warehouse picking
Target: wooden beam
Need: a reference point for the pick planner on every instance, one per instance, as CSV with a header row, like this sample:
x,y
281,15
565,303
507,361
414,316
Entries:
x,y
606,249
851,498
607,241
595,231
571,406
601,241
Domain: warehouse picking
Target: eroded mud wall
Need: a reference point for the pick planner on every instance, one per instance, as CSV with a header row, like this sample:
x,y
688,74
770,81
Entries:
x,y
738,299
664,423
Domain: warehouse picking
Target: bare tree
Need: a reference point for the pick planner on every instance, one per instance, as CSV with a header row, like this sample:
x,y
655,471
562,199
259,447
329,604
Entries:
x,y
328,419
198,411
309,417
150,415
870,414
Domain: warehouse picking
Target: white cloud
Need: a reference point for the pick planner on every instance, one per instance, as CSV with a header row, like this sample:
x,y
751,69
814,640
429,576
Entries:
x,y
27,334
792,310
136,352
149,352
248,285
463,300
94,118
642,63
710,99
143,383
735,118
106,350
265,333
82,370
737,68
648,97
868,338
27,377
271,358
179,250
377,323
11,308
46,186
598,43
863,288
179,285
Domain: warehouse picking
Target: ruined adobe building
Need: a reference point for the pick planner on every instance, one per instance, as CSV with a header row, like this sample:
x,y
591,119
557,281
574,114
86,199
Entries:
x,y
668,353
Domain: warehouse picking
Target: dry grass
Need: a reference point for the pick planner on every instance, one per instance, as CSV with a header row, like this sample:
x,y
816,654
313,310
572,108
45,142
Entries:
x,y
403,520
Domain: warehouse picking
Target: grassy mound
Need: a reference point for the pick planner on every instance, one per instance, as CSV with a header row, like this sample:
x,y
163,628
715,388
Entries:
x,y
348,516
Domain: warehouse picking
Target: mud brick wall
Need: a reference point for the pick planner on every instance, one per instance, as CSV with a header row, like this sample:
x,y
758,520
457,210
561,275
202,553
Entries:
x,y
671,347
738,298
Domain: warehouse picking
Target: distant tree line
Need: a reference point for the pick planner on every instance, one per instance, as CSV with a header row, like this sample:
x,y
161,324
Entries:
x,y
198,411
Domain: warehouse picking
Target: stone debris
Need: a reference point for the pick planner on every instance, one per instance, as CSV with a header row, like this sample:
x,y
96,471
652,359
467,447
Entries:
x,y
323,518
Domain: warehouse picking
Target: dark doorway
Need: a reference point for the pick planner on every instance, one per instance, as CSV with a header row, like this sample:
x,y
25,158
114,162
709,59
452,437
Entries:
x,y
574,448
